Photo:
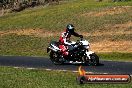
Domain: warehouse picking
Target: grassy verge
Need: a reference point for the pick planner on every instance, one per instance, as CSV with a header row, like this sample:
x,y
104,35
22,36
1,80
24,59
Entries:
x,y
56,17
23,78
115,56
22,45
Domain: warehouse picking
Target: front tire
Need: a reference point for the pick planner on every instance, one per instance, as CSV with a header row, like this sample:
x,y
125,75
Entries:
x,y
94,59
55,58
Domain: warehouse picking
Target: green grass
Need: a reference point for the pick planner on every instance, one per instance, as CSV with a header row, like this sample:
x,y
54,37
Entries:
x,y
116,56
36,46
54,18
23,45
23,78
57,16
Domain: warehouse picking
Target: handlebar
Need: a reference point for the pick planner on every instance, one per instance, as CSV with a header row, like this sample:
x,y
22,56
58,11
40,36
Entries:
x,y
78,41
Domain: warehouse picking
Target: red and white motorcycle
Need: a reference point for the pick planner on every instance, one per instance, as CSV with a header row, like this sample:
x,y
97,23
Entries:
x,y
78,52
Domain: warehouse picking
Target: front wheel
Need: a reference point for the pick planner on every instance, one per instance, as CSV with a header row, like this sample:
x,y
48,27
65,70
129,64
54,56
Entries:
x,y
55,58
93,60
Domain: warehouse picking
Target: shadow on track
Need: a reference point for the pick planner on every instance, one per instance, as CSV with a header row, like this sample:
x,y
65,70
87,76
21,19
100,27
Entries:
x,y
81,64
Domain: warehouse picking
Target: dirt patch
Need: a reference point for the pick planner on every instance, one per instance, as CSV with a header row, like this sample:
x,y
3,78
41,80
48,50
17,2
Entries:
x,y
125,28
109,11
31,32
112,46
125,25
117,29
106,33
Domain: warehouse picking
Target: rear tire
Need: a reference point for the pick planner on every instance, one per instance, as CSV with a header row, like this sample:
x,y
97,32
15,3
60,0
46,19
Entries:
x,y
55,58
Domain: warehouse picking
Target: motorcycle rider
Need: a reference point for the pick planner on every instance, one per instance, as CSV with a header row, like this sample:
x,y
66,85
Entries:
x,y
64,39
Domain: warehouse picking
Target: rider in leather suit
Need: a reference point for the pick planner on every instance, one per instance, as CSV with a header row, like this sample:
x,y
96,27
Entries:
x,y
64,39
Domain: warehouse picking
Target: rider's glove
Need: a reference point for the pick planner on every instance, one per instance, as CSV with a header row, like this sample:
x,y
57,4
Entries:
x,y
81,36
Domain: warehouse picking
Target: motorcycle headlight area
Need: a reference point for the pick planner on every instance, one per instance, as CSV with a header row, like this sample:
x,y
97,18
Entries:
x,y
86,46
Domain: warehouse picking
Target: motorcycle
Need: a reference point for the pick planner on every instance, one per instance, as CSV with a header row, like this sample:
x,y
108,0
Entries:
x,y
78,52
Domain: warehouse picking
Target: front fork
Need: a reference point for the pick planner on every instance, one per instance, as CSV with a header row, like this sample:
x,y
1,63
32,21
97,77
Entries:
x,y
88,53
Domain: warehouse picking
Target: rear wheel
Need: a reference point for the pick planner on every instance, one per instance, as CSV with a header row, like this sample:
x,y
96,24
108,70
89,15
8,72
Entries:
x,y
55,58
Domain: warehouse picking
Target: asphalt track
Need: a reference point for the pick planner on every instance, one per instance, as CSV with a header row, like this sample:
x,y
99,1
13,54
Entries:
x,y
44,63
